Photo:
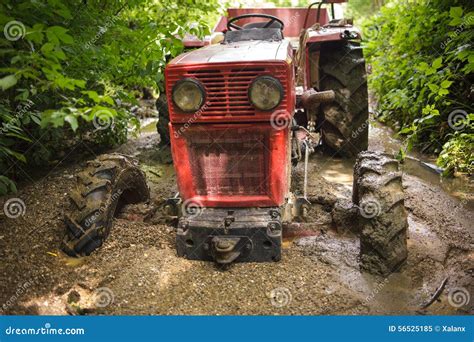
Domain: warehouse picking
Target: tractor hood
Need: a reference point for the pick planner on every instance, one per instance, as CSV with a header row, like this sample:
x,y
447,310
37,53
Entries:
x,y
238,52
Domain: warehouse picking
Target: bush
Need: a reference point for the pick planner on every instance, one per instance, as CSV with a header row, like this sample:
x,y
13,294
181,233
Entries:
x,y
68,68
422,62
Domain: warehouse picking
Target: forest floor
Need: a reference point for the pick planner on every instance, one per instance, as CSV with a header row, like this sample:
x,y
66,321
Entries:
x,y
137,270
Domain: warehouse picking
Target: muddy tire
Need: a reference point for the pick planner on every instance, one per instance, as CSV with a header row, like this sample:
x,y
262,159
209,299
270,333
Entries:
x,y
344,122
378,194
106,184
163,120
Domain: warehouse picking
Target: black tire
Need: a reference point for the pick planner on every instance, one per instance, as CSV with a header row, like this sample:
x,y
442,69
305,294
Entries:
x,y
163,120
344,122
378,193
106,184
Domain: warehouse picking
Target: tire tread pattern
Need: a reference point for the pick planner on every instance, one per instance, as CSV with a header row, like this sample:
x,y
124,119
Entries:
x,y
383,239
106,182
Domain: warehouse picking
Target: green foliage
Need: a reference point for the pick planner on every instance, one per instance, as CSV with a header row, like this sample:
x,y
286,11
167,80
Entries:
x,y
70,69
457,154
422,61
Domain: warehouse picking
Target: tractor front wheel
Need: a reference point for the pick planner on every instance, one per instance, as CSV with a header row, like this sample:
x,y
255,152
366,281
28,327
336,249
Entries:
x,y
378,194
106,184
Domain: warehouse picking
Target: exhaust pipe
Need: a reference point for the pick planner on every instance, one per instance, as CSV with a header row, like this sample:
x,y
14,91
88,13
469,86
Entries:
x,y
311,97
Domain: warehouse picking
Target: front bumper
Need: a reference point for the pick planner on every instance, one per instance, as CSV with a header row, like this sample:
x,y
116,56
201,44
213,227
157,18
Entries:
x,y
230,235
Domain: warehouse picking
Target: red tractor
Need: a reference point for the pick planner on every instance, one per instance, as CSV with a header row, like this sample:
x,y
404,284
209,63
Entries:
x,y
241,114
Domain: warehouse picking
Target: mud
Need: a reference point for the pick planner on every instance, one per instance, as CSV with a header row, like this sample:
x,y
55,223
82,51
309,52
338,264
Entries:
x,y
137,270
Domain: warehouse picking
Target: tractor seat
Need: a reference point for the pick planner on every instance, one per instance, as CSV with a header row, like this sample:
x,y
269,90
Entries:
x,y
261,24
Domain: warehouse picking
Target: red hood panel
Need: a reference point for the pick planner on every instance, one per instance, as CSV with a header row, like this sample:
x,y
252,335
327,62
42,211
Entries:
x,y
247,51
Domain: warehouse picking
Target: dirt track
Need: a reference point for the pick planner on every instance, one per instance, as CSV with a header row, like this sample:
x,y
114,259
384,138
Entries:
x,y
138,272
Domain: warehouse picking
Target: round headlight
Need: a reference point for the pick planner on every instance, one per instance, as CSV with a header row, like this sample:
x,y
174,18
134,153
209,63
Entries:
x,y
265,93
188,94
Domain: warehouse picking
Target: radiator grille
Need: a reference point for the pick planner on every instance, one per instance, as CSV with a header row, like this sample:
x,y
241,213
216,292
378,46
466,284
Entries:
x,y
227,89
229,163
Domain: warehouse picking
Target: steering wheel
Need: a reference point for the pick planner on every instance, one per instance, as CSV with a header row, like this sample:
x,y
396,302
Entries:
x,y
272,19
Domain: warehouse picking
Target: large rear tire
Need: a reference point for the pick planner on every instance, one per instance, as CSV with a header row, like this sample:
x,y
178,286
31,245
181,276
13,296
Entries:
x,y
378,193
106,184
344,122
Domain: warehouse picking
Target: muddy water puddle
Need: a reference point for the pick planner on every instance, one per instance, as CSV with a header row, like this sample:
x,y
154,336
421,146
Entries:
x,y
381,138
401,292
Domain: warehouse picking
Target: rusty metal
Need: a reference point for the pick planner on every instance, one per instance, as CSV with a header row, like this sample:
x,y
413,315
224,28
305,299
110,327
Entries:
x,y
311,97
225,249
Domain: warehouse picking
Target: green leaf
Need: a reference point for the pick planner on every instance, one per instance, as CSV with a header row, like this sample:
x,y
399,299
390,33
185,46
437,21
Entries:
x,y
56,34
433,87
36,119
445,84
108,99
437,63
36,34
17,155
72,120
443,92
80,83
406,130
8,82
47,48
455,12
401,155
92,95
455,22
59,53
423,66
18,136
65,13
430,71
